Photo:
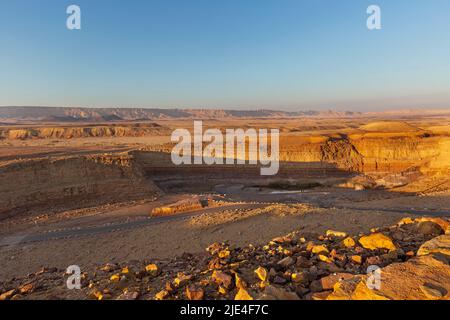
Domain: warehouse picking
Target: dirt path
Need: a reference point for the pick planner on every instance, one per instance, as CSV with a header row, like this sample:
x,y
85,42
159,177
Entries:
x,y
74,232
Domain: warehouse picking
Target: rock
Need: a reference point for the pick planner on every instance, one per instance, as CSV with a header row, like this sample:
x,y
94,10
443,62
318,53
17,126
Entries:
x,y
328,282
274,293
349,242
261,273
320,295
324,258
98,295
129,295
343,290
301,290
163,294
152,269
431,293
26,289
319,249
115,278
194,293
222,279
439,244
224,254
336,234
286,262
444,224
109,267
282,240
356,259
181,279
315,286
300,277
328,267
375,260
7,295
377,241
302,262
243,295
404,221
240,284
428,228
279,280
214,248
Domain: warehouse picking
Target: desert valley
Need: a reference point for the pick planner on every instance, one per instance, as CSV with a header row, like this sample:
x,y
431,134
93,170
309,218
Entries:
x,y
96,188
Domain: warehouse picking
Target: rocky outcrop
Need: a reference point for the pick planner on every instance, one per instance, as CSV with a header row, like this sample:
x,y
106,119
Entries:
x,y
296,266
70,182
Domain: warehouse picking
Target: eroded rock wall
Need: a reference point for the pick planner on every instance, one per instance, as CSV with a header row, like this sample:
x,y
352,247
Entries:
x,y
71,182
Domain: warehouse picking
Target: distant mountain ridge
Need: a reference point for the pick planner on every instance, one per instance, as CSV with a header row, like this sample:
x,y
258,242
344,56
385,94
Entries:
x,y
69,114
62,114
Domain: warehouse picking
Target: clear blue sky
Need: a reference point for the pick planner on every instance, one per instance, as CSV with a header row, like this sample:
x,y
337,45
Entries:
x,y
285,54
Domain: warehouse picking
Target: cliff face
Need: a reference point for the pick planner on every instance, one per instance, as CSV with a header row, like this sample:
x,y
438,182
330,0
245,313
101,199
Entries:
x,y
70,132
70,182
371,154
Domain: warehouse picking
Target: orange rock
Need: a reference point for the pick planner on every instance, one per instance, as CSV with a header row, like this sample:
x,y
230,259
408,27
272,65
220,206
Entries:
x,y
243,295
27,288
239,282
224,254
152,269
439,245
319,249
404,221
115,277
349,242
7,295
356,259
163,294
377,241
325,258
181,279
261,273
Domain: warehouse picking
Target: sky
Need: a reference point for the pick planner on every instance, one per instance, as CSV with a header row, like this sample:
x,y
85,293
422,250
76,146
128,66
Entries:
x,y
236,54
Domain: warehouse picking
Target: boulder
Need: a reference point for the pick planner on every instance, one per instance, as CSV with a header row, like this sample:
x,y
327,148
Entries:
x,y
444,224
428,228
439,244
376,241
403,281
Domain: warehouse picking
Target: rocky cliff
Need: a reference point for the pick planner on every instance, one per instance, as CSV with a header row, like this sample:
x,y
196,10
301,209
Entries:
x,y
70,182
70,132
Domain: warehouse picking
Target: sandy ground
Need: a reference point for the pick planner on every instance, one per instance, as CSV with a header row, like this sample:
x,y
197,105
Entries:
x,y
171,239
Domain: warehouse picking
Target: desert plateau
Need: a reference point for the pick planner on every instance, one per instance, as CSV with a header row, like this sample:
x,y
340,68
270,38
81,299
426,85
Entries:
x,y
96,188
